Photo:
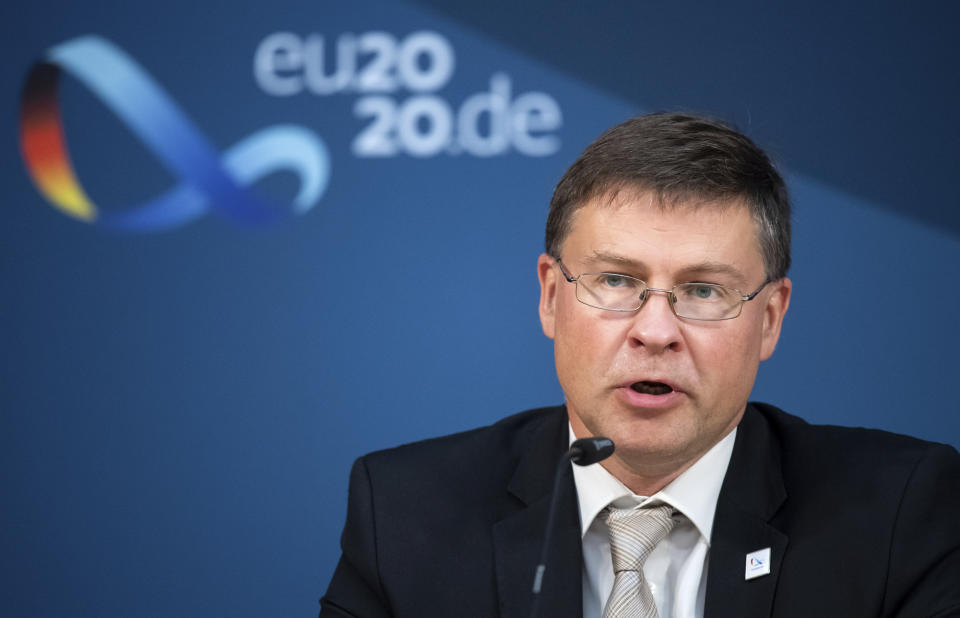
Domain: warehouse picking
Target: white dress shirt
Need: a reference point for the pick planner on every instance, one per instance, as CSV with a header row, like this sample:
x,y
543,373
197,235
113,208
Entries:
x,y
676,569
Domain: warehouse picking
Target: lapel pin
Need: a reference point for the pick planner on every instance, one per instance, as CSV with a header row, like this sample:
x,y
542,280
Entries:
x,y
758,563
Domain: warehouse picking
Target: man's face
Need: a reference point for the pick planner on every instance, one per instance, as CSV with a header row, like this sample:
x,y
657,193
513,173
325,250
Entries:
x,y
609,364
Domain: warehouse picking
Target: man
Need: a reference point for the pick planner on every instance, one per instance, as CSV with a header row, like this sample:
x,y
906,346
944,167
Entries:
x,y
663,287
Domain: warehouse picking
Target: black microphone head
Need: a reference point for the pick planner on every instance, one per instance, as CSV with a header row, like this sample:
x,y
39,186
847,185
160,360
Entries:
x,y
591,450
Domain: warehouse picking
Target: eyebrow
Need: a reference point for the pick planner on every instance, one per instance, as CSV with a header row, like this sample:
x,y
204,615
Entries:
x,y
715,268
612,258
690,272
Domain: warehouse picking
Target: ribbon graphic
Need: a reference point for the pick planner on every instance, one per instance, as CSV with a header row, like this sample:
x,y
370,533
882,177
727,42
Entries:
x,y
207,180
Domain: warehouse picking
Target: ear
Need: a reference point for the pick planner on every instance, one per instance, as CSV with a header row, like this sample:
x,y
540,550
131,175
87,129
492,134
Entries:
x,y
773,312
548,292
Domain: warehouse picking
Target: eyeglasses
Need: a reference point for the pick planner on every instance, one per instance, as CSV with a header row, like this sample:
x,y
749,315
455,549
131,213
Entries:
x,y
694,301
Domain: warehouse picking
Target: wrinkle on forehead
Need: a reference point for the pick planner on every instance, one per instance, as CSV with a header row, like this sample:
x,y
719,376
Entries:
x,y
705,267
630,194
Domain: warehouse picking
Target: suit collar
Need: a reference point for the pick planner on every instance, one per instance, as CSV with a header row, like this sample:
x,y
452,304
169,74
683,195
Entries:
x,y
542,445
751,494
518,536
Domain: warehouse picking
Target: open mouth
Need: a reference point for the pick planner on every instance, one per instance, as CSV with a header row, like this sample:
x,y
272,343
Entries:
x,y
651,388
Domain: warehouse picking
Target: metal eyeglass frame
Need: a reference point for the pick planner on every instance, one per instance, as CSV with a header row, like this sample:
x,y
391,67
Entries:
x,y
671,294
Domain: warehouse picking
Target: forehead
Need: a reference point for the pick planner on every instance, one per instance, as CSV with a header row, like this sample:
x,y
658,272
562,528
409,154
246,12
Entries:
x,y
637,229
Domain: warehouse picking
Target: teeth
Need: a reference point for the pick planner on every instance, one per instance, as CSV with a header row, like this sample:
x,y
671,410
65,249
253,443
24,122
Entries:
x,y
651,388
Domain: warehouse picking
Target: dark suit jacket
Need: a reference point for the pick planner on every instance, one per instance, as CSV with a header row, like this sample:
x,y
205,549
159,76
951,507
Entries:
x,y
859,522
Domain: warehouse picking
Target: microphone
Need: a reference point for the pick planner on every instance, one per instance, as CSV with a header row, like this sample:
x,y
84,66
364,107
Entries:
x,y
590,450
583,452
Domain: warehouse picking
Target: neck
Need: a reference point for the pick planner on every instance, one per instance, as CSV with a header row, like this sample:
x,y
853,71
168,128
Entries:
x,y
646,472
645,480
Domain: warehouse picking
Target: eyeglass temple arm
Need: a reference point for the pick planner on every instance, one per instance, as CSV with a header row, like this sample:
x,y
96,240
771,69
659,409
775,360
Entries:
x,y
563,270
752,296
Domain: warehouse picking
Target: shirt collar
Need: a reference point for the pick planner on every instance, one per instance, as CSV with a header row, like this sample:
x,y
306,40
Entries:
x,y
694,493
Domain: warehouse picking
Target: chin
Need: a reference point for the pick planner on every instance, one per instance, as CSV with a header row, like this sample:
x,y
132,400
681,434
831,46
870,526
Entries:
x,y
662,437
645,449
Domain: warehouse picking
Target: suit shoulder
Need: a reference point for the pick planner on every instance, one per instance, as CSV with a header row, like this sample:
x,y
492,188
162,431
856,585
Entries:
x,y
795,428
854,450
504,440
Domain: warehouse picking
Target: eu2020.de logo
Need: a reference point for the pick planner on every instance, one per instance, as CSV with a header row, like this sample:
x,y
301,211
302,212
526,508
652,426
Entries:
x,y
208,180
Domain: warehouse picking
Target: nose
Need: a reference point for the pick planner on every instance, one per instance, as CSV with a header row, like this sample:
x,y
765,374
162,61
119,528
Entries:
x,y
655,326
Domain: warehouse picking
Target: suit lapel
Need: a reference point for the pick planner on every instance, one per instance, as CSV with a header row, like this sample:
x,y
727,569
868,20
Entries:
x,y
752,492
518,536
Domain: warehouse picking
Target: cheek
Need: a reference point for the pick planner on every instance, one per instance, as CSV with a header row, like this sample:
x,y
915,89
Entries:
x,y
726,357
585,345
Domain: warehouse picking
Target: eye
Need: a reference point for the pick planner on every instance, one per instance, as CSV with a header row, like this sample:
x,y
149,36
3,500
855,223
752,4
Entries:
x,y
700,291
613,280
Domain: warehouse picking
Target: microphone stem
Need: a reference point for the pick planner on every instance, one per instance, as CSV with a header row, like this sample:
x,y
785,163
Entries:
x,y
551,516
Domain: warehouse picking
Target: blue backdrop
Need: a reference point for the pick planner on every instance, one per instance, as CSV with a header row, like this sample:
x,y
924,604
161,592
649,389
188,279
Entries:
x,y
181,400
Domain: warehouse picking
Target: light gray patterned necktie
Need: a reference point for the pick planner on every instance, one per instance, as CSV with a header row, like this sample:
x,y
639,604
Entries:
x,y
633,535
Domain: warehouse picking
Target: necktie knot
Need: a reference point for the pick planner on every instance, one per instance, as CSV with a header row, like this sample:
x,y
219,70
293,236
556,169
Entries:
x,y
635,532
633,535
